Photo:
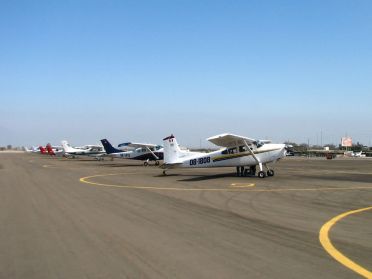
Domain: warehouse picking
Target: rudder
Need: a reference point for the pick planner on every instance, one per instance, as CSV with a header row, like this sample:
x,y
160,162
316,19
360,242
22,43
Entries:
x,y
171,150
108,147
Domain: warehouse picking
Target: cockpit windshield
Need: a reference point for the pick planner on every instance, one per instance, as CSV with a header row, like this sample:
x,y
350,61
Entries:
x,y
259,144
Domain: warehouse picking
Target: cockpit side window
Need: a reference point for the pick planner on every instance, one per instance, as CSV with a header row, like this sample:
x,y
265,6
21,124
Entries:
x,y
243,148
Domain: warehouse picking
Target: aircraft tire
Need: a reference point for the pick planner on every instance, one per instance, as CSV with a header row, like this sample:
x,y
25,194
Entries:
x,y
156,163
145,164
261,174
270,173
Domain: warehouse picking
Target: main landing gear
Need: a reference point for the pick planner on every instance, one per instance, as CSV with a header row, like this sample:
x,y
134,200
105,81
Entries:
x,y
242,171
146,163
251,171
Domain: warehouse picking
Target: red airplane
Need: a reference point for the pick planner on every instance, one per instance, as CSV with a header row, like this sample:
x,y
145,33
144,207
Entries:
x,y
47,150
42,150
50,150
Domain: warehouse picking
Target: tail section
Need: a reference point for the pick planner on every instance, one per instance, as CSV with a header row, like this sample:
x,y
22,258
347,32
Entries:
x,y
42,150
66,146
50,150
109,148
171,150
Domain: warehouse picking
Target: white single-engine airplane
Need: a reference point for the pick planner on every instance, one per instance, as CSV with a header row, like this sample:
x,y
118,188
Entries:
x,y
238,151
95,151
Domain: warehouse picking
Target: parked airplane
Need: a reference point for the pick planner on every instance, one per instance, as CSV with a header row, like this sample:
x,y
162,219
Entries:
x,y
354,154
43,150
54,150
141,151
48,149
32,149
93,151
238,151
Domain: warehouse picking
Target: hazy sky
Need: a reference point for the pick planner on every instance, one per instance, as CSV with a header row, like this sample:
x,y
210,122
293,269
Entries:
x,y
141,70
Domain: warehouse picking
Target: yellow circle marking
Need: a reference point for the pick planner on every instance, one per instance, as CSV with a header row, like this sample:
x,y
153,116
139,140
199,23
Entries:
x,y
85,180
242,185
337,255
231,189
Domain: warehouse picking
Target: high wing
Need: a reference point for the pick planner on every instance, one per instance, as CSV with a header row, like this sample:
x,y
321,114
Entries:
x,y
140,145
230,140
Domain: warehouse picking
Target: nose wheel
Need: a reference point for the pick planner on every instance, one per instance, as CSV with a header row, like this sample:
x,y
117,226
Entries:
x,y
269,172
242,171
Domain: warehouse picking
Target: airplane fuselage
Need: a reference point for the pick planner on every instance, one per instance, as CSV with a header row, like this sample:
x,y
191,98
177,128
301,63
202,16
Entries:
x,y
138,154
231,157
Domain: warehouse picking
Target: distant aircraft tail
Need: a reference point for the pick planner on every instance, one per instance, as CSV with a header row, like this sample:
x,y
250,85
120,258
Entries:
x,y
171,151
66,146
42,150
108,147
50,150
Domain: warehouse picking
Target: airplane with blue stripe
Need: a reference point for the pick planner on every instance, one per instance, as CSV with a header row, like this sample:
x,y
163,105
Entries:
x,y
139,151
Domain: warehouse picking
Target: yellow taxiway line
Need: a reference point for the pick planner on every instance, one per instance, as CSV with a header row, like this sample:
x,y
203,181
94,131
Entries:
x,y
85,180
232,188
324,232
336,254
242,185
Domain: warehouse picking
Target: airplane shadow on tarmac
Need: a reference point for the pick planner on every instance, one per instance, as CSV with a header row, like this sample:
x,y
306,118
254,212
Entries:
x,y
194,178
118,165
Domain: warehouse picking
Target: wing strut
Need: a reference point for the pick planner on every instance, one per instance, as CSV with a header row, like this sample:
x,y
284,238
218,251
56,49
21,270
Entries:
x,y
254,156
156,157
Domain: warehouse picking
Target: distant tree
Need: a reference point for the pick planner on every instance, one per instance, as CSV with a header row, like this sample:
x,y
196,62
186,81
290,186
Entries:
x,y
317,146
9,146
357,147
303,147
290,143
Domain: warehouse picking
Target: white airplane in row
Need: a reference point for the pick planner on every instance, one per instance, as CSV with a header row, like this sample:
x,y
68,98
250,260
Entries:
x,y
33,149
139,151
88,150
354,154
240,152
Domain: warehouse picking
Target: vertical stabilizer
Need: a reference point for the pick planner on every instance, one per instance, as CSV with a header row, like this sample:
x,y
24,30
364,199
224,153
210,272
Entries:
x,y
171,150
42,150
109,148
50,150
66,146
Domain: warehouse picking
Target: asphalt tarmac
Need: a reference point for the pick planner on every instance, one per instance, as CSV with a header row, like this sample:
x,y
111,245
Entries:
x,y
81,218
